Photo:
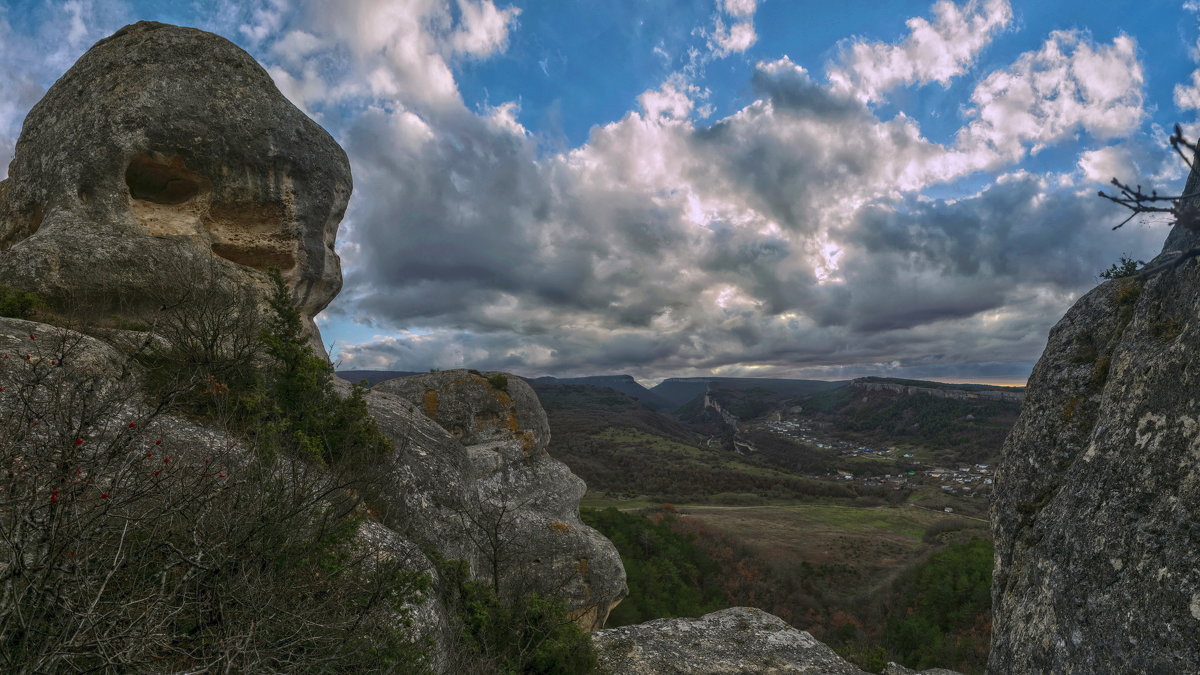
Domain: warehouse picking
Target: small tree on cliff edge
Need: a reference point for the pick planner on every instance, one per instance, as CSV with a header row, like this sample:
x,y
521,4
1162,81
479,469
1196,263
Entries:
x,y
1185,208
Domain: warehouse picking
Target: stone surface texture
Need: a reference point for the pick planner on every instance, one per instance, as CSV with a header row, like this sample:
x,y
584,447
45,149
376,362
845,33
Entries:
x,y
481,486
1096,513
164,153
166,156
740,640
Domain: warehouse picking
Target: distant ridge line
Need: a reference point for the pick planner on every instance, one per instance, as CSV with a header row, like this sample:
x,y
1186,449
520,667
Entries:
x,y
961,392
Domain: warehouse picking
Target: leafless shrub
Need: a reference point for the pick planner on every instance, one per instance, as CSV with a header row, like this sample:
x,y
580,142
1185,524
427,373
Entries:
x,y
133,540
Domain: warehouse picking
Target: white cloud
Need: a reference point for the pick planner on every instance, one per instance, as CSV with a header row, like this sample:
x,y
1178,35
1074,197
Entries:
x,y
483,29
1069,84
932,52
265,20
789,238
739,8
670,101
296,45
733,39
1187,96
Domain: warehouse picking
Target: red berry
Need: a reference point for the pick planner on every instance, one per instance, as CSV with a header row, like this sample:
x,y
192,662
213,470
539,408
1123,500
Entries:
x,y
103,495
221,476
78,441
149,454
166,460
132,425
32,336
157,472
158,442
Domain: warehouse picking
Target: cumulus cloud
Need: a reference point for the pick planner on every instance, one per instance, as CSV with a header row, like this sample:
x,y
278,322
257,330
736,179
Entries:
x,y
794,237
483,29
732,39
789,238
1069,84
934,51
735,37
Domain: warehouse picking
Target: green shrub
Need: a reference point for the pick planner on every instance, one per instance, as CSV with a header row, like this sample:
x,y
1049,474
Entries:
x,y
667,574
18,304
499,381
1126,267
530,634
941,615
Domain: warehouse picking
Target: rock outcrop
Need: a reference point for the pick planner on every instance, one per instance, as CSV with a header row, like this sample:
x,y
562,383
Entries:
x,y
166,161
1096,512
740,640
165,153
497,499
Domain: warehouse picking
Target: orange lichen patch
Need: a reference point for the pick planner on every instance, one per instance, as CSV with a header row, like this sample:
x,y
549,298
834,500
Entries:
x,y
527,442
511,421
430,401
258,257
562,528
581,566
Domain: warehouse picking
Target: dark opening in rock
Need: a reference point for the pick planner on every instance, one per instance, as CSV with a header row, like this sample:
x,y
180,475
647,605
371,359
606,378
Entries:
x,y
258,257
161,183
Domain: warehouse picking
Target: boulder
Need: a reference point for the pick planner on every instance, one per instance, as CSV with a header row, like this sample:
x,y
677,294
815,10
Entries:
x,y
1096,510
740,640
165,153
497,499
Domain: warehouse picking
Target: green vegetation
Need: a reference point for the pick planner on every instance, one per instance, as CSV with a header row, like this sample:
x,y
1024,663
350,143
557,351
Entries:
x,y
667,574
18,304
955,430
530,634
499,381
299,406
940,614
136,544
1125,267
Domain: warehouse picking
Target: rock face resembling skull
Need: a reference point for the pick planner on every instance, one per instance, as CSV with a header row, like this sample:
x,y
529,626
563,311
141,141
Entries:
x,y
171,148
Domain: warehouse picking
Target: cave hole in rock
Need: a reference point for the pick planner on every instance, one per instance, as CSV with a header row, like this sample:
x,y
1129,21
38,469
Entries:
x,y
162,183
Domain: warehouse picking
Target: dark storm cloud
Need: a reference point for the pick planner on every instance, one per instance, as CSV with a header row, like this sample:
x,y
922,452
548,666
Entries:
x,y
789,238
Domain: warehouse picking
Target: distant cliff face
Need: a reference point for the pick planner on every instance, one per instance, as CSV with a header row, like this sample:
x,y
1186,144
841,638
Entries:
x,y
956,394
1097,502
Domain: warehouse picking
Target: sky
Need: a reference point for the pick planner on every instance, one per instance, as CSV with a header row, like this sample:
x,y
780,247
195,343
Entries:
x,y
672,188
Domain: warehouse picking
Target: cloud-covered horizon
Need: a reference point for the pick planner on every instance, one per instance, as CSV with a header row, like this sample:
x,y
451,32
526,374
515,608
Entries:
x,y
825,225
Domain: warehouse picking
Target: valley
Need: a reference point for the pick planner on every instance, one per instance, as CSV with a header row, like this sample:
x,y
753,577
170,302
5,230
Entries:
x,y
829,504
819,503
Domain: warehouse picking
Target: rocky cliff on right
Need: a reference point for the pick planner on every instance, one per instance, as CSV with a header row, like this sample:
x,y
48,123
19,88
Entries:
x,y
1096,513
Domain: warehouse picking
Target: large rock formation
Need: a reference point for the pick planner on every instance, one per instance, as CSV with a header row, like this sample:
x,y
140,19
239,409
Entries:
x,y
471,478
165,153
1097,502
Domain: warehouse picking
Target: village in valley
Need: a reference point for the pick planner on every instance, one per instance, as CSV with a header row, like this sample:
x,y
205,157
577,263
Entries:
x,y
899,467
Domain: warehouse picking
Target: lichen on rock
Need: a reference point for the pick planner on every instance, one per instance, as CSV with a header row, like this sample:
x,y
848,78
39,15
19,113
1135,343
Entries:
x,y
1097,499
168,149
498,493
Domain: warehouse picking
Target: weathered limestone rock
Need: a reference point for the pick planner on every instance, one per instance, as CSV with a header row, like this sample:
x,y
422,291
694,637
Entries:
x,y
498,501
740,640
32,341
1096,513
165,152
